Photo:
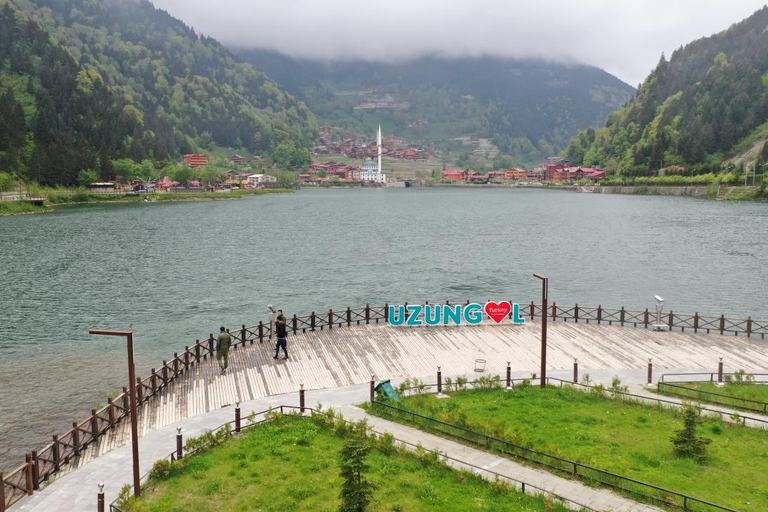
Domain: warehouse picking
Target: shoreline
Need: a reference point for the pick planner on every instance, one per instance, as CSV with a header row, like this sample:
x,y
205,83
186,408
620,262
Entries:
x,y
139,198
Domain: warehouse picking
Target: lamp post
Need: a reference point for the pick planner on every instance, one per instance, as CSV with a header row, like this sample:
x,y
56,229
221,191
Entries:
x,y
132,390
544,298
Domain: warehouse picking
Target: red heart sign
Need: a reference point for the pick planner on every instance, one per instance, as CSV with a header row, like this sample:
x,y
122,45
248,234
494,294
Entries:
x,y
498,311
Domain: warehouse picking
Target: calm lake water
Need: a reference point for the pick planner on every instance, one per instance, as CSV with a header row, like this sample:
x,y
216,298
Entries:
x,y
179,271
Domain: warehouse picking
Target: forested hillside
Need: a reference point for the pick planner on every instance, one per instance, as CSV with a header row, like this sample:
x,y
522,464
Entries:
x,y
708,102
97,81
530,109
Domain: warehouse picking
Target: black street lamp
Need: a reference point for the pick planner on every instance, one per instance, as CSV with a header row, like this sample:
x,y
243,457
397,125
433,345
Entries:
x,y
544,298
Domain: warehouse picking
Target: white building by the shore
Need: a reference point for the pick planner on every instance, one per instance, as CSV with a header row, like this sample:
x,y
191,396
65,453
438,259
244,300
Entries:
x,y
371,171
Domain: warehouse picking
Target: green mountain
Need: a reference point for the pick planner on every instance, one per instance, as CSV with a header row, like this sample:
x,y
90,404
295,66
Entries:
x,y
530,109
707,103
109,79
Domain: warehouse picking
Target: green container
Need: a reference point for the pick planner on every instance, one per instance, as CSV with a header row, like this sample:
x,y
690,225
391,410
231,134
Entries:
x,y
386,388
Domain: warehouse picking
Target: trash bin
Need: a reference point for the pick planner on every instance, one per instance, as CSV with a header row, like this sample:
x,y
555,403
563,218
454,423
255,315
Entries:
x,y
385,387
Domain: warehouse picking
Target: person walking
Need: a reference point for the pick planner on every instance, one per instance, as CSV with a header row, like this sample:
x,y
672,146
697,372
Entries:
x,y
222,349
282,336
272,316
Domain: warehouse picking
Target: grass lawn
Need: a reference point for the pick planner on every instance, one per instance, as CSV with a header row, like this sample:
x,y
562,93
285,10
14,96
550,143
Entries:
x,y
746,390
628,438
292,464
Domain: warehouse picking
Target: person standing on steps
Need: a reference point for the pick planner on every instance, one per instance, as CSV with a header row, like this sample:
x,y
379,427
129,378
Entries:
x,y
282,336
222,349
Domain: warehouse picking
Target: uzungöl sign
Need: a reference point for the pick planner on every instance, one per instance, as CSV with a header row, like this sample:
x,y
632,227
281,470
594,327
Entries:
x,y
444,314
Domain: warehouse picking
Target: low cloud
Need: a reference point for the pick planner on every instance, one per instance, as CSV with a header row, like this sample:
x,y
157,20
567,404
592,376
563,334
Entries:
x,y
624,37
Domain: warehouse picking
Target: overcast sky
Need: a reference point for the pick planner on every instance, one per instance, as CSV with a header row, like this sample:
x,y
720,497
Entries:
x,y
624,37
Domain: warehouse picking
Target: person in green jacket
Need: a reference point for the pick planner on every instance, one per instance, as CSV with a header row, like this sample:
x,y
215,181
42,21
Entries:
x,y
222,349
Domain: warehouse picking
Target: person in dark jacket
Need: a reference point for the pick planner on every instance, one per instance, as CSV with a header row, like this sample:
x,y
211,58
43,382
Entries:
x,y
222,349
282,335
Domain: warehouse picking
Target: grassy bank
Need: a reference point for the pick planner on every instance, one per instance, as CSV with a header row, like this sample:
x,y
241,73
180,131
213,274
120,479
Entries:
x,y
747,396
292,464
60,196
627,438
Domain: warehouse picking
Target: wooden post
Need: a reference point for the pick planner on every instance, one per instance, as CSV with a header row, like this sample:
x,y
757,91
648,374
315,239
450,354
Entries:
x,y
56,453
179,444
30,488
153,381
110,412
576,313
301,399
671,321
645,318
509,375
720,370
2,493
75,437
312,321
575,371
35,471
175,363
386,312
211,348
722,324
237,417
330,318
197,351
696,322
295,324
94,425
186,357
367,314
749,326
349,317
622,316
600,313
372,388
554,311
165,373
243,333
531,310
440,381
650,371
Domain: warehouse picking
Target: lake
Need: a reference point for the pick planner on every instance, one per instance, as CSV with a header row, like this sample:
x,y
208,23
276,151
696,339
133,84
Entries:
x,y
177,272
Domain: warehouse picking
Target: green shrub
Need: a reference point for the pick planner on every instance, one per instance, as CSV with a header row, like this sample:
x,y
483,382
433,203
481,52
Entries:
x,y
686,442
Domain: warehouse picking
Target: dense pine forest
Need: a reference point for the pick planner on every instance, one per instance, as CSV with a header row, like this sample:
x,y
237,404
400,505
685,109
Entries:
x,y
705,105
83,83
530,109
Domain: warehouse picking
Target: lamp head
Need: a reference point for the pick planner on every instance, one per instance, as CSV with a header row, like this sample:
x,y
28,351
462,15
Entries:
x,y
658,299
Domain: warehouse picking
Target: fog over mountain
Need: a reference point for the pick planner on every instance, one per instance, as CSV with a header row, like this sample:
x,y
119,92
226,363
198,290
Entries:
x,y
625,38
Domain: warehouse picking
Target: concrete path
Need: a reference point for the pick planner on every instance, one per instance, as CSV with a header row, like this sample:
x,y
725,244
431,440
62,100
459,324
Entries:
x,y
465,457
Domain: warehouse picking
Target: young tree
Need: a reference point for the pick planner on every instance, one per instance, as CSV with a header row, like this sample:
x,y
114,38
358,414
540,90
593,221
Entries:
x,y
87,177
356,491
687,443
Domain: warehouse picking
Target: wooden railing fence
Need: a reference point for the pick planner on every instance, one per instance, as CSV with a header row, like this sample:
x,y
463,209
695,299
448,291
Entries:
x,y
41,465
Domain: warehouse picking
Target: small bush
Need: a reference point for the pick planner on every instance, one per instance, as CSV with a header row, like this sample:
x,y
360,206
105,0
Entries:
x,y
161,469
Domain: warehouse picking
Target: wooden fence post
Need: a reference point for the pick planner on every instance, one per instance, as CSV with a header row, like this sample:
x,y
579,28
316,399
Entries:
x,y
30,488
139,390
722,324
126,402
243,334
645,318
35,471
56,453
330,318
576,313
186,357
175,363
153,381
295,324
599,314
386,312
696,322
312,321
749,326
349,317
531,310
110,413
165,373
197,351
671,321
211,348
622,316
94,425
367,314
554,311
261,331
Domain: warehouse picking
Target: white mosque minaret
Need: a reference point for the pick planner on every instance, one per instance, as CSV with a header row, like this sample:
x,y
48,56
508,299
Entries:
x,y
370,171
